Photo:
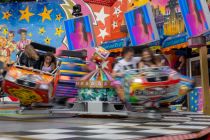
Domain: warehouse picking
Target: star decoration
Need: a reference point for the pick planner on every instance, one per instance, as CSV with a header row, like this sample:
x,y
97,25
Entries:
x,y
25,14
42,31
59,31
117,11
101,16
114,25
30,34
89,92
105,65
5,31
58,17
45,14
47,40
6,15
103,33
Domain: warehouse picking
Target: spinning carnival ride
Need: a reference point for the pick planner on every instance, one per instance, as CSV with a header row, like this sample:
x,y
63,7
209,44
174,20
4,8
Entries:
x,y
73,67
151,87
31,85
96,94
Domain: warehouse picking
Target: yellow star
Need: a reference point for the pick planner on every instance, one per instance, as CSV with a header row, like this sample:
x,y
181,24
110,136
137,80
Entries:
x,y
5,31
41,30
59,31
45,14
30,34
6,15
25,14
47,40
58,17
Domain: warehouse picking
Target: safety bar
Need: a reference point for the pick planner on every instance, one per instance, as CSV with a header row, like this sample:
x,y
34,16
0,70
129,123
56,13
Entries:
x,y
149,69
34,70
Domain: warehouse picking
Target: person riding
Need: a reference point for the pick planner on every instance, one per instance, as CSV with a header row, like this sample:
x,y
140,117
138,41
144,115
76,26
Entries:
x,y
49,63
30,58
127,63
148,59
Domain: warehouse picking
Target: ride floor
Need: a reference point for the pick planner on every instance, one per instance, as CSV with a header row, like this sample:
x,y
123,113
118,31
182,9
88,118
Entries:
x,y
171,126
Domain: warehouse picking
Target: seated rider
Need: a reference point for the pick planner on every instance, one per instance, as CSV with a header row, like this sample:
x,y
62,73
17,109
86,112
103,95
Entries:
x,y
148,59
127,63
30,58
49,63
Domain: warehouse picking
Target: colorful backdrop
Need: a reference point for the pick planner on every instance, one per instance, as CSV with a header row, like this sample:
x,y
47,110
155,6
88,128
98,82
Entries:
x,y
44,20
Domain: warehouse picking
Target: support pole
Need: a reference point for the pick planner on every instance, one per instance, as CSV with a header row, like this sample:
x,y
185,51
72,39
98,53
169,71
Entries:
x,y
205,78
200,41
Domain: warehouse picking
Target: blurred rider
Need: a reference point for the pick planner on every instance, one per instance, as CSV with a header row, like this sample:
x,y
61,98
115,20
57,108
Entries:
x,y
30,58
127,63
148,59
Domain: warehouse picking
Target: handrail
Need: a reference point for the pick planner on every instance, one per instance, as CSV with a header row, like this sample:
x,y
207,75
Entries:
x,y
150,69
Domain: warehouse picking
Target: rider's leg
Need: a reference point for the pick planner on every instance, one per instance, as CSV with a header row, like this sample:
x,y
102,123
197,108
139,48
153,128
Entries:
x,y
121,94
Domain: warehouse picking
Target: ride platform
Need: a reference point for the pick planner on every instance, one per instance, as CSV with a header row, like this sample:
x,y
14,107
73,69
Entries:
x,y
13,111
171,126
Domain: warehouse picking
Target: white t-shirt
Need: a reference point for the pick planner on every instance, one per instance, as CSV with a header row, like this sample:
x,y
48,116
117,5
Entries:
x,y
123,65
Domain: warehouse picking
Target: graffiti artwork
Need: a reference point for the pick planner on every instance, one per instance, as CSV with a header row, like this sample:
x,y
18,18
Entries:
x,y
25,95
167,15
95,94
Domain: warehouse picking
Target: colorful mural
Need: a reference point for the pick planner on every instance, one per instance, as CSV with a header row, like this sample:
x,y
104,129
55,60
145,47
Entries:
x,y
141,25
167,15
44,21
196,16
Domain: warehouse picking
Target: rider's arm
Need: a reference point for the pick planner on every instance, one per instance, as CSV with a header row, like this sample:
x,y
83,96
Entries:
x,y
117,71
117,74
